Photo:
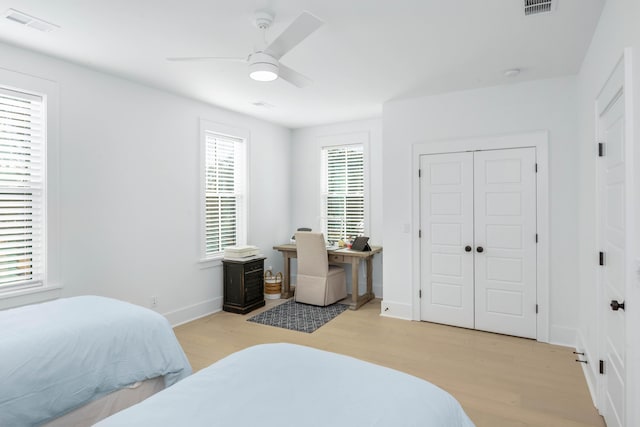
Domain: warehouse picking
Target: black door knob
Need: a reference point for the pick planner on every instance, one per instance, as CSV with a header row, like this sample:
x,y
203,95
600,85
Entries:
x,y
480,249
467,248
615,305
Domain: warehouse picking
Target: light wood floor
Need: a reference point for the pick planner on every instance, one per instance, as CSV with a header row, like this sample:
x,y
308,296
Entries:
x,y
499,380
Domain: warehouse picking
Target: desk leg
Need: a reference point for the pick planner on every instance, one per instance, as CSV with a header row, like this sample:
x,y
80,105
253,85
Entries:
x,y
286,282
355,263
370,277
358,301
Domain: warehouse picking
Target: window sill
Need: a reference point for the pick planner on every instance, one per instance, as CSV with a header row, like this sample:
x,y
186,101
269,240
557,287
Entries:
x,y
18,297
210,262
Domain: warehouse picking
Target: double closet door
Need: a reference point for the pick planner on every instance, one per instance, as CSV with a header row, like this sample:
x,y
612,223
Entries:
x,y
478,244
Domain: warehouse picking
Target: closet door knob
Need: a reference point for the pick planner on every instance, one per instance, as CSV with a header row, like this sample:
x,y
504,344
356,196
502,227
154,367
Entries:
x,y
467,248
479,249
615,305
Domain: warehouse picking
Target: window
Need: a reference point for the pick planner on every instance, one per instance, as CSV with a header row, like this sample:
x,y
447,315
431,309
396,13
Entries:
x,y
224,192
22,188
343,191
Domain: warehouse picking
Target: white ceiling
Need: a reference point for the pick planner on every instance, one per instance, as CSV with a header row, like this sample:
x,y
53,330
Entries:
x,y
368,52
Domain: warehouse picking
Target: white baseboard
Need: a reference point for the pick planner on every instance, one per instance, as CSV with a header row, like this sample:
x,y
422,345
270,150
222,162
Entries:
x,y
193,312
377,290
588,369
396,310
561,335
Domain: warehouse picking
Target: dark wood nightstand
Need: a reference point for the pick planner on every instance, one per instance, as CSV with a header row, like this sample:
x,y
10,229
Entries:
x,y
243,284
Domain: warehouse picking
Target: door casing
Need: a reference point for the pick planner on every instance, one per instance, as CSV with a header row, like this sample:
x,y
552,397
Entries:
x,y
620,79
539,140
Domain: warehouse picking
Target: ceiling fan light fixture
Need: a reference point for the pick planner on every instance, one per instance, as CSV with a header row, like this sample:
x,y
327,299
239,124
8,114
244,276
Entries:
x,y
263,67
263,72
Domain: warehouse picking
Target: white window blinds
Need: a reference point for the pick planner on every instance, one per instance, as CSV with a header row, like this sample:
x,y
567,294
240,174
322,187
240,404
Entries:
x,y
224,192
21,189
343,191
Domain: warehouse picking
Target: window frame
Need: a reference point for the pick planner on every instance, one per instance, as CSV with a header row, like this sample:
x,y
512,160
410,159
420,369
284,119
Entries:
x,y
37,190
209,127
48,287
344,140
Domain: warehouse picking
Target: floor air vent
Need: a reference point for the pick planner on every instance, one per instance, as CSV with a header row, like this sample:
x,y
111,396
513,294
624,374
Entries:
x,y
533,7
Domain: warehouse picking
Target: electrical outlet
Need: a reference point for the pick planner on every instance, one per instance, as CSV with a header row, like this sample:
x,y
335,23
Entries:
x,y
154,301
269,268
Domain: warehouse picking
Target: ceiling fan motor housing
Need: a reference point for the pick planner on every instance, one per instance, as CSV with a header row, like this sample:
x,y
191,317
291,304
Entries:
x,y
263,67
263,18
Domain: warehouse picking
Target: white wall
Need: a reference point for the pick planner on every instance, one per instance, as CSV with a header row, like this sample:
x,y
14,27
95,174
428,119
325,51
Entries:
x,y
306,166
617,29
129,188
540,105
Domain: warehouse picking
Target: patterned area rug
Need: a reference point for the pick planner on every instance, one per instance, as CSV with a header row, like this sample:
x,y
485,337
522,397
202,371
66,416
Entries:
x,y
298,317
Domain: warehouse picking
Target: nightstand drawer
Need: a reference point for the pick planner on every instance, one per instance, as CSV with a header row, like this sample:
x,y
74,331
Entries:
x,y
336,258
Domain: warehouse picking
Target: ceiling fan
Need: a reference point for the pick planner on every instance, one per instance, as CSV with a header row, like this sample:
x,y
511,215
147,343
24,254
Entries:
x,y
264,64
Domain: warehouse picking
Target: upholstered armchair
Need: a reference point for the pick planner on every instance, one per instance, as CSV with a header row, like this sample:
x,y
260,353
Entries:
x,y
318,283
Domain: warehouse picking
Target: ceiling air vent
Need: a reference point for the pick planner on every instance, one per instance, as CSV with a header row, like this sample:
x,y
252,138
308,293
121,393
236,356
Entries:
x,y
30,21
534,7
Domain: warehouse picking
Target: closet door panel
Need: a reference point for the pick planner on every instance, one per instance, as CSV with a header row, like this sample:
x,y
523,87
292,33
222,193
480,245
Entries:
x,y
446,209
505,239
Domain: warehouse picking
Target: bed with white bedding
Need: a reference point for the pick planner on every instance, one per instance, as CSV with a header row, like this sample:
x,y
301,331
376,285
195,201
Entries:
x,y
290,385
57,357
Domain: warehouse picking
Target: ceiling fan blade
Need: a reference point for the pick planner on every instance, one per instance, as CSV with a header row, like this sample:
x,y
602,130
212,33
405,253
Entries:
x,y
293,77
206,58
300,29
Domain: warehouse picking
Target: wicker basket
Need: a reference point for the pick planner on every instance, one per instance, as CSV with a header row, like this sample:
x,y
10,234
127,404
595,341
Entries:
x,y
272,285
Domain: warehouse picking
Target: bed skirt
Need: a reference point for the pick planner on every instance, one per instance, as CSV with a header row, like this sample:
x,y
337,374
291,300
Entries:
x,y
101,408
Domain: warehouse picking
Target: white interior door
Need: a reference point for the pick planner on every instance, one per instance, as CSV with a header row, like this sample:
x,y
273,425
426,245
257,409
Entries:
x,y
505,240
611,201
446,210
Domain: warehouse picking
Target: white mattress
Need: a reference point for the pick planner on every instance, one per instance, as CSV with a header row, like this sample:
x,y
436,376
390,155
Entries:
x,y
280,385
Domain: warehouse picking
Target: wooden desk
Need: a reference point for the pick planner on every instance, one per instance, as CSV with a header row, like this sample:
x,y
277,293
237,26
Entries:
x,y
336,256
